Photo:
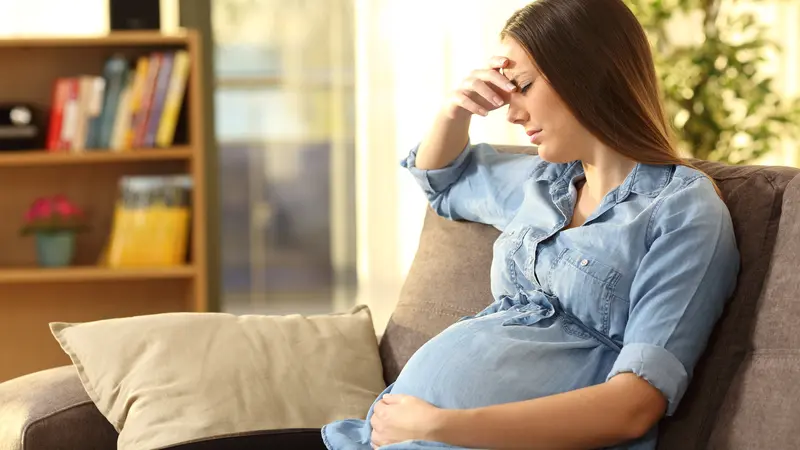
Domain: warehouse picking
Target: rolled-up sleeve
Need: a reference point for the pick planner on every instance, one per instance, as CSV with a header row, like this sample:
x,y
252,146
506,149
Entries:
x,y
680,289
480,185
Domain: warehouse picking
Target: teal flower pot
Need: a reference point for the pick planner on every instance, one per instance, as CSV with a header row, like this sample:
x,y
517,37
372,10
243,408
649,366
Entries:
x,y
55,249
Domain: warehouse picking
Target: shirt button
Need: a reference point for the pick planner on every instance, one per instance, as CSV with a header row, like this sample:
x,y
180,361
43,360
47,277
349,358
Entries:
x,y
585,262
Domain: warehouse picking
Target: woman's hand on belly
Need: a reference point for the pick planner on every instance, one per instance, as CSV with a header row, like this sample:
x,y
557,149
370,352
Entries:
x,y
397,418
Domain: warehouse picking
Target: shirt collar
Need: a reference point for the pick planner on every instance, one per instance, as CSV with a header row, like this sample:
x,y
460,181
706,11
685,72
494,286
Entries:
x,y
644,179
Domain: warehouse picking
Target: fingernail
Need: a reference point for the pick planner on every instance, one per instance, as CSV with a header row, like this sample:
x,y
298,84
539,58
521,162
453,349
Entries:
x,y
483,112
498,101
510,86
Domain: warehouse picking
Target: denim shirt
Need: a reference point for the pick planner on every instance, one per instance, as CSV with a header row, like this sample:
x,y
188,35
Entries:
x,y
637,288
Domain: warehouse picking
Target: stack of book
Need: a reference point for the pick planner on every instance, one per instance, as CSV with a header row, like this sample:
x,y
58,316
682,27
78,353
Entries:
x,y
151,222
128,107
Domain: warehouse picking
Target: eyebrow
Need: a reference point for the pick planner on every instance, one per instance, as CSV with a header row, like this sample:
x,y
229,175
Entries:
x,y
514,79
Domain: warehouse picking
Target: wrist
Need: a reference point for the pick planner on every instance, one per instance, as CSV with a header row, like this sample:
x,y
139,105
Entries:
x,y
456,113
446,428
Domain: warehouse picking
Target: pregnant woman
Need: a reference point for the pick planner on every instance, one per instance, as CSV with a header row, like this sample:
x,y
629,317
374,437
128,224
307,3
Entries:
x,y
615,260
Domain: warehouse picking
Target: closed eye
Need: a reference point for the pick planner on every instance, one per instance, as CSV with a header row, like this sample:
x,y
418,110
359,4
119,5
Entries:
x,y
525,88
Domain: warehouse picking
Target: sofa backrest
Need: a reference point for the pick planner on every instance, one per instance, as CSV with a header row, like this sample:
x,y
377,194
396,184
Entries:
x,y
754,195
761,409
449,279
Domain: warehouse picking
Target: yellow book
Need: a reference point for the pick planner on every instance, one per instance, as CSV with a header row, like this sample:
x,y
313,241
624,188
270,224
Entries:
x,y
174,99
122,119
135,99
151,222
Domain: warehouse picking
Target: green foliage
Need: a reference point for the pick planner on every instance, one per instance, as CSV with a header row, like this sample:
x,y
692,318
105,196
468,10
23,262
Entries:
x,y
721,106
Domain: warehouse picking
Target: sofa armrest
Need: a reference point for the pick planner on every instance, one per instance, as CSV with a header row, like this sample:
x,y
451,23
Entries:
x,y
50,410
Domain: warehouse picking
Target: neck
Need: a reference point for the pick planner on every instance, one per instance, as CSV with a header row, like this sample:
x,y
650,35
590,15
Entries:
x,y
605,170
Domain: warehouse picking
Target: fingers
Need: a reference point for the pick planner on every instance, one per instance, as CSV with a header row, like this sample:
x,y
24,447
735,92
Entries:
x,y
465,101
484,90
480,87
498,62
375,439
390,399
481,92
497,79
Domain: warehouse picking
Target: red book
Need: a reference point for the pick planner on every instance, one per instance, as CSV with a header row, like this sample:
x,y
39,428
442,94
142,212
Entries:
x,y
61,90
69,114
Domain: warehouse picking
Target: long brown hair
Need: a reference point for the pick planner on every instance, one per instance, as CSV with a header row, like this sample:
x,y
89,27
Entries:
x,y
596,56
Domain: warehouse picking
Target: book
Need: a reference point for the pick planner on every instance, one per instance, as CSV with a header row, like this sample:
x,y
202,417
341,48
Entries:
x,y
61,93
132,104
151,221
70,114
115,75
135,100
139,121
122,119
172,104
90,91
159,95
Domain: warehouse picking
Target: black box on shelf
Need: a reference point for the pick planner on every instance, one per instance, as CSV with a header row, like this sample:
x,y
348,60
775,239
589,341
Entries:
x,y
21,127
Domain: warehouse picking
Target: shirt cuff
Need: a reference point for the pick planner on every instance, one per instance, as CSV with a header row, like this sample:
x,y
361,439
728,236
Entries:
x,y
656,365
435,181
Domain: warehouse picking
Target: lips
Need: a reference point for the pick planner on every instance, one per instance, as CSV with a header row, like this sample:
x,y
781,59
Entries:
x,y
535,136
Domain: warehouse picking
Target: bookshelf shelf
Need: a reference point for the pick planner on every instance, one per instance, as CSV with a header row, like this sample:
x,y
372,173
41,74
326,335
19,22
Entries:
x,y
116,39
44,158
92,274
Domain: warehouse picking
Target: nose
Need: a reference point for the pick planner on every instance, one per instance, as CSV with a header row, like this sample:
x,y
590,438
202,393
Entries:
x,y
516,112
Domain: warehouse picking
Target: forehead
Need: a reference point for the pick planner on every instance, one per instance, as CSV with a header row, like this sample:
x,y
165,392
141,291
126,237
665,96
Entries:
x,y
519,61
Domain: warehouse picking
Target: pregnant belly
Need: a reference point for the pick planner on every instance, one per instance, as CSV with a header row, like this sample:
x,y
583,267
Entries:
x,y
481,362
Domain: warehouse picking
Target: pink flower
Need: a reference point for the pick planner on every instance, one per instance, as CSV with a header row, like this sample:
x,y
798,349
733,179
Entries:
x,y
52,213
41,209
63,207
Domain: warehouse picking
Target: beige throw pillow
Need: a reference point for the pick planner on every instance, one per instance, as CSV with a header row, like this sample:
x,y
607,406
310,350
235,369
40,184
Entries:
x,y
172,378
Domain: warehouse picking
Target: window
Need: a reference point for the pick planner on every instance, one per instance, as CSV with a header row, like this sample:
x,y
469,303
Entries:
x,y
285,125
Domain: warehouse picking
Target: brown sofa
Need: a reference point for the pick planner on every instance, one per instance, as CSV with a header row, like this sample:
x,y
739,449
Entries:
x,y
745,393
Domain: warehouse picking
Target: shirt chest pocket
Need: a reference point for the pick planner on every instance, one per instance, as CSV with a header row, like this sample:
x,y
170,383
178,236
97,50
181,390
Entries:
x,y
586,288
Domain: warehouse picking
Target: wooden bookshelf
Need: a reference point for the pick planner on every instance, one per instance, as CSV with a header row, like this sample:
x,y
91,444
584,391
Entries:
x,y
32,297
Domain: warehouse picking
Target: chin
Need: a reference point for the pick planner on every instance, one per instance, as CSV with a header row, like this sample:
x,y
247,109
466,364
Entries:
x,y
552,155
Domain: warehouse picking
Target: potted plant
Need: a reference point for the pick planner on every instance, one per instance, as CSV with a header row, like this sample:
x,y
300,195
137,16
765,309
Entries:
x,y
54,221
722,105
